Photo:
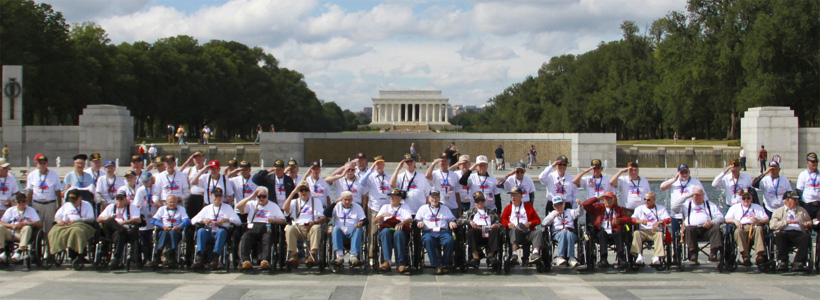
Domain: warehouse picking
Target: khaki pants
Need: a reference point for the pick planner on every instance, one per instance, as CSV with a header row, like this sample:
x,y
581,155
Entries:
x,y
742,239
24,236
641,235
46,212
292,236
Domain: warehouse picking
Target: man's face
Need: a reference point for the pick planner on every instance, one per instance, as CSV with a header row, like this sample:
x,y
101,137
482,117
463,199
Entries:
x,y
110,169
136,165
633,172
262,197
362,163
4,171
516,198
746,199
480,202
79,164
698,196
131,179
347,201
380,166
559,207
294,170
161,167
519,173
245,172
775,171
411,165
791,203
812,165
395,200
214,171
95,164
434,200
609,201
199,160
21,205
217,199
684,174
171,203
304,194
562,166
278,171
482,168
316,171
42,164
649,201
122,202
597,170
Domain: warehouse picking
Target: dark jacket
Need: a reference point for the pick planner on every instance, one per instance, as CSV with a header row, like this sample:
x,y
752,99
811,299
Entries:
x,y
268,180
597,211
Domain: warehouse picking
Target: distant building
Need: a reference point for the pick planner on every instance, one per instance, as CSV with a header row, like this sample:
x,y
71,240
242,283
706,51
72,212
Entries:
x,y
368,111
457,109
411,110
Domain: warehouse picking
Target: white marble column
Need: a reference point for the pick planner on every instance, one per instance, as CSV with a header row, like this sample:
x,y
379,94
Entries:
x,y
406,110
438,113
446,113
392,112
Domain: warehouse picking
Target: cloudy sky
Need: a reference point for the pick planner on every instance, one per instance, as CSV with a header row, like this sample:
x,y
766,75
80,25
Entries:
x,y
349,50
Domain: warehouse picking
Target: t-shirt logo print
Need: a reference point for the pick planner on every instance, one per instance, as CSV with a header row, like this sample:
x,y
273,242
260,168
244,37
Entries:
x,y
559,188
173,185
306,210
318,189
3,187
43,186
699,210
261,213
434,218
635,190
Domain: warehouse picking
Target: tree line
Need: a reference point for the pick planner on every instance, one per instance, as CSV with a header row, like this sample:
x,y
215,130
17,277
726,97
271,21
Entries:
x,y
226,85
692,72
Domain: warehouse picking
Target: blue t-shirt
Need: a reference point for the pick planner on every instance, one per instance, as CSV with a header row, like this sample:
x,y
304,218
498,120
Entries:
x,y
75,180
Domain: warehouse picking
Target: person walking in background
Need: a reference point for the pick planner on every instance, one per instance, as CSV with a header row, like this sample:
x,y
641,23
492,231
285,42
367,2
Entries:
x,y
171,132
742,155
152,154
143,152
533,160
258,133
762,156
272,128
181,135
499,158
676,137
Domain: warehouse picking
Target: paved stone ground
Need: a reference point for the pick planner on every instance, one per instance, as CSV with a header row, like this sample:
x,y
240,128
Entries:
x,y
695,283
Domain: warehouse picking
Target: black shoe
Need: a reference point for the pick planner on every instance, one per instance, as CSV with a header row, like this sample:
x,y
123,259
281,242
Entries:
x,y
214,263
115,263
799,267
199,263
622,264
474,263
783,266
514,258
492,261
713,257
761,259
439,271
604,264
747,262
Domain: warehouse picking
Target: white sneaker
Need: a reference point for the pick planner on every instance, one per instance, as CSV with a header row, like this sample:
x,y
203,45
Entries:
x,y
656,261
639,260
16,257
572,262
3,256
559,261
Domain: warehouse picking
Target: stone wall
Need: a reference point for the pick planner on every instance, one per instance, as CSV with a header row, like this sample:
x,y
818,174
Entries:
x,y
53,141
809,141
107,129
776,127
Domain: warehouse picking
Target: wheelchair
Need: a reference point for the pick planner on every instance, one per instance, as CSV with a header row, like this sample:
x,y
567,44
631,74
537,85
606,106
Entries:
x,y
277,248
648,244
772,265
363,256
179,256
524,246
418,251
549,251
303,252
227,249
105,247
463,252
32,255
726,255
591,248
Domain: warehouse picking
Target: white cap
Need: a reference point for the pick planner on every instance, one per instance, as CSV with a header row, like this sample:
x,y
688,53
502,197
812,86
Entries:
x,y
481,159
4,163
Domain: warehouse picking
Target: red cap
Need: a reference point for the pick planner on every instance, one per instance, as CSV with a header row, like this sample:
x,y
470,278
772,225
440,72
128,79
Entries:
x,y
214,164
39,156
608,195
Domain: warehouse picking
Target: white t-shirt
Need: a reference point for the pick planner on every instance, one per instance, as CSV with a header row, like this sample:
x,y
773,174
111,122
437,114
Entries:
x,y
303,212
518,215
464,190
242,188
190,173
319,190
791,214
107,187
482,218
559,186
279,190
378,187
95,175
260,214
808,182
694,215
632,191
595,187
43,186
651,215
732,186
446,183
8,187
526,184
171,218
487,186
130,193
435,219
401,213
416,186
14,216
208,184
346,218
152,151
176,184
680,189
773,190
563,220
144,200
216,213
351,185
745,214
121,214
70,213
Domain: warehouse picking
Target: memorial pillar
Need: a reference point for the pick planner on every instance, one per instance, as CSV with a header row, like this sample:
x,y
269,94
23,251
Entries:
x,y
446,114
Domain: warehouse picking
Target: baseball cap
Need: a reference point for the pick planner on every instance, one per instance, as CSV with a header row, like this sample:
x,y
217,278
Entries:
x,y
464,157
682,167
120,195
40,156
735,163
159,160
515,190
4,163
520,166
481,159
217,191
130,173
562,158
812,157
292,162
303,186
745,191
442,155
80,156
279,163
72,194
595,163
169,158
109,163
398,192
95,157
557,200
233,163
608,195
214,164
146,176
435,193
198,153
378,159
360,155
315,164
632,164
774,164
408,157
791,195
478,195
244,164
135,158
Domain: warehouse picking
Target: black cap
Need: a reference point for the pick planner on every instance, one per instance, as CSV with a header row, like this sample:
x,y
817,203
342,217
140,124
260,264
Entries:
x,y
812,157
360,155
562,158
279,163
217,191
515,190
130,173
169,158
81,156
292,162
398,192
20,197
244,164
96,157
233,163
478,195
408,157
73,194
682,167
159,160
791,195
315,164
434,193
632,164
595,163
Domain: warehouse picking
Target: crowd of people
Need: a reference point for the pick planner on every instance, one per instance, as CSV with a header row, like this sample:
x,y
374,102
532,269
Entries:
x,y
208,211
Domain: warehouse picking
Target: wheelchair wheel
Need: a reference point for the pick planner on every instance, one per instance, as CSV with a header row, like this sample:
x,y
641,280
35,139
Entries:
x,y
323,258
77,264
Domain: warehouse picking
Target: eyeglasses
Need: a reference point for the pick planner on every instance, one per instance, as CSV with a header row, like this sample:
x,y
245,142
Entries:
x,y
648,199
684,172
747,197
562,165
480,200
304,191
262,196
520,171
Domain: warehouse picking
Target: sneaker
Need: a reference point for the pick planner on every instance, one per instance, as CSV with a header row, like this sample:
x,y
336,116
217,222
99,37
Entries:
x,y
572,262
604,264
338,261
385,266
535,257
473,263
639,260
264,265
17,257
246,265
354,261
655,261
439,271
492,261
558,261
3,257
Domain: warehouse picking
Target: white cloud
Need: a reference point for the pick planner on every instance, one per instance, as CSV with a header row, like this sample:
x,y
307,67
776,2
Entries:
x,y
472,74
78,11
335,48
411,68
477,49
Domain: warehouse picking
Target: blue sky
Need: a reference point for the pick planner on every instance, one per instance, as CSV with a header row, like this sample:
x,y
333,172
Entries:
x,y
349,50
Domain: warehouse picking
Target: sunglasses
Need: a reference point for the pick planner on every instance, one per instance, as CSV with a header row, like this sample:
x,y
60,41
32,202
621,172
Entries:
x,y
648,199
562,165
262,196
520,171
304,191
747,197
480,200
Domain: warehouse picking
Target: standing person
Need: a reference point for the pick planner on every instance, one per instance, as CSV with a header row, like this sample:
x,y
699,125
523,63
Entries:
x,y
679,189
196,200
292,171
808,186
44,190
152,153
209,179
8,186
413,151
463,165
95,169
596,184
347,181
6,152
412,182
377,185
773,187
483,182
171,133
517,179
243,186
558,183
171,182
762,156
206,134
272,128
450,152
676,137
143,152
533,157
258,133
742,155
499,158
732,182
181,135
79,180
446,183
144,200
633,187
107,186
319,188
279,186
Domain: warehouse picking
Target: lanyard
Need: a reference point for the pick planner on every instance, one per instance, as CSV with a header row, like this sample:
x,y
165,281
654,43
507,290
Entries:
x,y
381,184
244,186
608,215
256,210
734,188
173,216
435,214
562,217
350,185
683,186
483,217
345,215
3,184
776,185
814,179
117,210
654,211
518,213
635,186
745,211
396,212
171,181
482,185
20,215
208,187
216,214
95,175
445,180
559,187
111,186
80,178
148,192
312,216
598,184
43,180
411,180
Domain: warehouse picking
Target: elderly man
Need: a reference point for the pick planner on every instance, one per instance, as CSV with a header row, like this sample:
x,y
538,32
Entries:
x,y
563,229
731,181
216,218
437,226
73,227
653,219
319,188
8,186
609,219
171,182
16,224
394,227
144,200
80,180
483,182
446,183
412,182
348,181
292,171
277,183
485,228
679,187
261,213
308,216
171,219
521,219
558,183
632,186
748,219
792,226
773,187
108,185
114,219
596,184
516,178
463,165
44,190
700,218
808,186
349,217
211,181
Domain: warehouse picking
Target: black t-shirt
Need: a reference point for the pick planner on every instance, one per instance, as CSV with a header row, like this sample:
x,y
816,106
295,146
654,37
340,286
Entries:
x,y
499,153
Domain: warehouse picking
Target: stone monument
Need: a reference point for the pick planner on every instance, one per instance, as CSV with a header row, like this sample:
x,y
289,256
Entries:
x,y
411,110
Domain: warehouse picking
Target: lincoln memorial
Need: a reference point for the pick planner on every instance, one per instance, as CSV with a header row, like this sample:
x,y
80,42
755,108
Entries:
x,y
411,111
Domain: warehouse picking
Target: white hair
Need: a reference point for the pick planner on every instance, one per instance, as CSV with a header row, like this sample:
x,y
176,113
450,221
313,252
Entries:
x,y
262,189
346,194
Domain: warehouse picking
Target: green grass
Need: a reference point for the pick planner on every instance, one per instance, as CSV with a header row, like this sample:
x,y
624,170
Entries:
x,y
682,142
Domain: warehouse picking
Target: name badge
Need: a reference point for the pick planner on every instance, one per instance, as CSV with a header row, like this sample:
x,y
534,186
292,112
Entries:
x,y
436,228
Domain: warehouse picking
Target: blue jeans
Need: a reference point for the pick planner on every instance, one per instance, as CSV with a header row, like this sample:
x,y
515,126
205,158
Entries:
x,y
169,239
205,236
393,240
354,236
566,242
257,139
432,241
